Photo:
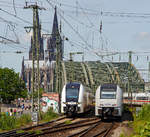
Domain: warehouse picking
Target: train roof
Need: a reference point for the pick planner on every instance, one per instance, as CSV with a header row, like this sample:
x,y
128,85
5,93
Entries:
x,y
141,94
73,84
109,86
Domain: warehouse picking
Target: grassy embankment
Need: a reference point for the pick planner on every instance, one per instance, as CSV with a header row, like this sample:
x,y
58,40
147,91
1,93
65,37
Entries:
x,y
141,123
12,122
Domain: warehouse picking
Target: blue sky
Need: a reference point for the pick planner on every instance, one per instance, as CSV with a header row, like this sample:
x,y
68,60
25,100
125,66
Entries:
x,y
121,32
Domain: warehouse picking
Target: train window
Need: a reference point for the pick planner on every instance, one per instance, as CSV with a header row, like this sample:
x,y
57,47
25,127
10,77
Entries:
x,y
129,98
141,98
108,95
72,94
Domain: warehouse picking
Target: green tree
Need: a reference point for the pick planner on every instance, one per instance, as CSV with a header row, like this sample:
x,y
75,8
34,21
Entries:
x,y
11,85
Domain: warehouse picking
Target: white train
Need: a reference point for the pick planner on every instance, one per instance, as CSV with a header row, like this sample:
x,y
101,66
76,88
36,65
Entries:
x,y
109,101
75,98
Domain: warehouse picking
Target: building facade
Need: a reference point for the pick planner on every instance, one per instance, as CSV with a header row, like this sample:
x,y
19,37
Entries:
x,y
47,58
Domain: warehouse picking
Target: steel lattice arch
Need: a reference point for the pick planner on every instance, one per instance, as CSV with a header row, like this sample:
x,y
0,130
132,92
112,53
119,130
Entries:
x,y
94,73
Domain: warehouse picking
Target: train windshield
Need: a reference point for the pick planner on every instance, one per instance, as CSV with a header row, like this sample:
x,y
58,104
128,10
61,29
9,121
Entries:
x,y
108,94
108,91
72,94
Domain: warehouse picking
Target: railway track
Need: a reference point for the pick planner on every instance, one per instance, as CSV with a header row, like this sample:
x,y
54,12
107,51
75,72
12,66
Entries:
x,y
99,129
77,127
56,127
64,130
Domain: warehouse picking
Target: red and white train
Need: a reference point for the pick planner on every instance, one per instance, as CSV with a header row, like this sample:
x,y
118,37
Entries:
x,y
136,98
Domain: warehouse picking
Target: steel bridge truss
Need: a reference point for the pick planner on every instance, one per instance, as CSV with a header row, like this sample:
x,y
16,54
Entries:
x,y
94,73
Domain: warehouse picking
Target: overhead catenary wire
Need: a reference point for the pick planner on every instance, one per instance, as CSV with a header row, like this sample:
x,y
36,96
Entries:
x,y
105,13
80,36
108,54
9,3
14,52
84,40
25,21
85,9
14,7
91,23
70,6
92,11
20,18
28,22
97,11
84,45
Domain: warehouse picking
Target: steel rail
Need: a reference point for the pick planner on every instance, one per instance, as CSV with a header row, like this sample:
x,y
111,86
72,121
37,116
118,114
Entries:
x,y
105,131
67,128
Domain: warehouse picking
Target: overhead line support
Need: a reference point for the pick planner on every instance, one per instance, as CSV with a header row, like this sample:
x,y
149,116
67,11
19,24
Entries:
x,y
35,48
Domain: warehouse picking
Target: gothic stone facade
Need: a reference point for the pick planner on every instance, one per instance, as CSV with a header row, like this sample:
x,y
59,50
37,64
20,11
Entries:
x,y
47,59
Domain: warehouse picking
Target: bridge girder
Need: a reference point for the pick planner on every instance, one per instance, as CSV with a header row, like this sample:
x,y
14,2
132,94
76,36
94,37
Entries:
x,y
94,73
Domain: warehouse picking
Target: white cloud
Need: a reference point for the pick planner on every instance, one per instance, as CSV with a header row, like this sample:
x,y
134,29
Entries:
x,y
141,40
143,36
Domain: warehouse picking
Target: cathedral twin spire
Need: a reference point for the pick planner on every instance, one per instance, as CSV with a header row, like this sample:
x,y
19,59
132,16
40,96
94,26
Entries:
x,y
55,23
51,42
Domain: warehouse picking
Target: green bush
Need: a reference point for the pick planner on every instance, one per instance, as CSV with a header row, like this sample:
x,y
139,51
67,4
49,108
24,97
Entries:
x,y
145,131
7,122
11,122
141,124
126,108
122,135
144,114
23,120
49,115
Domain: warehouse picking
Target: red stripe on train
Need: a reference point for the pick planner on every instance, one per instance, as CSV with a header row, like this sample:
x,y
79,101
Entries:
x,y
136,100
140,101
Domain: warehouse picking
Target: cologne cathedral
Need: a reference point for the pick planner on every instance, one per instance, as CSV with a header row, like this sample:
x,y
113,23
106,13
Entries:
x,y
47,58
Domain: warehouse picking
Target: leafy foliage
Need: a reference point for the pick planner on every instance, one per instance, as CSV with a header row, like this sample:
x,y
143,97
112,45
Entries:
x,y
144,114
7,122
49,115
142,122
11,85
23,120
11,122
